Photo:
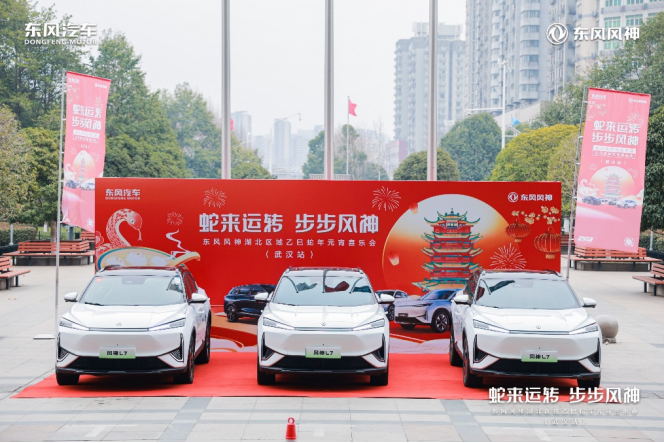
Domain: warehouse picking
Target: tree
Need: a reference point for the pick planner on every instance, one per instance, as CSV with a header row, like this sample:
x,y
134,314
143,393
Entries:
x,y
653,209
42,196
526,156
564,109
561,169
140,139
473,143
315,156
31,74
414,167
15,174
245,163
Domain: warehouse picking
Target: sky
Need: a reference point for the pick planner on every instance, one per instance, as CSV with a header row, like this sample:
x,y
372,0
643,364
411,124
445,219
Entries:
x,y
277,51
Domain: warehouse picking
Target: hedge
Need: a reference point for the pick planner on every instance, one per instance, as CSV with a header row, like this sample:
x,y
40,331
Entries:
x,y
21,233
657,241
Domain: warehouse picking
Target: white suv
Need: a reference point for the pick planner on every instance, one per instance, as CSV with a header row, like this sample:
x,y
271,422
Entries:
x,y
526,324
324,320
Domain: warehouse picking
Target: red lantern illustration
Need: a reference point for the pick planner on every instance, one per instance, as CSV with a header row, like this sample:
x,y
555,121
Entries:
x,y
518,231
549,243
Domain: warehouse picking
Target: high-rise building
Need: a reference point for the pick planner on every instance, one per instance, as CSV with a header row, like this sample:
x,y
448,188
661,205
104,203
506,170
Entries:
x,y
412,84
299,147
261,144
281,152
242,127
478,49
608,14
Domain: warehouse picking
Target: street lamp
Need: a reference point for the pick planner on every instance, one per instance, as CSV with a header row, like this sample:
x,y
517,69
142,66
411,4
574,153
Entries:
x,y
272,136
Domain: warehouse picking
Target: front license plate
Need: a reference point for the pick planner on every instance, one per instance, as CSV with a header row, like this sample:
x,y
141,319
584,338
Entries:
x,y
539,356
403,315
322,352
117,353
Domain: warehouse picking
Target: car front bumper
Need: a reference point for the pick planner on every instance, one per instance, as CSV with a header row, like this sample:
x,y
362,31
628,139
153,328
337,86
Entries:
x,y
410,315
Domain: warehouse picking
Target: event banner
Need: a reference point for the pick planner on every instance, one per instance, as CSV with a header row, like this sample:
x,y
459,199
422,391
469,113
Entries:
x,y
411,236
612,170
85,147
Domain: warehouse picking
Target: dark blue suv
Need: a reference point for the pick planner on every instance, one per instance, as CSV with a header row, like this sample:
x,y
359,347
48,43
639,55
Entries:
x,y
241,301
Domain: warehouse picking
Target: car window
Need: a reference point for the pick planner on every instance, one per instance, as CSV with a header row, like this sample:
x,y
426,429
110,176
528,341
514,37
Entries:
x,y
244,290
267,288
134,290
526,293
328,290
192,283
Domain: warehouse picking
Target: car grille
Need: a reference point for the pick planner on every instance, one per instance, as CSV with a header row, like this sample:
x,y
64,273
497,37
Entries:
x,y
323,364
100,364
519,367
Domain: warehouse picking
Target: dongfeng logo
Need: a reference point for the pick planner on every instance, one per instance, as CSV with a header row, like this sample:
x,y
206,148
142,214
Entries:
x,y
513,197
629,242
557,33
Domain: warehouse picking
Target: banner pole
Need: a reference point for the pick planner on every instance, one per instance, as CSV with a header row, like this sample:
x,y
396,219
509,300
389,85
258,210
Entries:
x,y
57,233
347,140
226,90
574,183
328,156
432,160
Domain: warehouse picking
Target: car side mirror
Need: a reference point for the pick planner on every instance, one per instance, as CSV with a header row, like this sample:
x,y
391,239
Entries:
x,y
386,298
461,299
589,302
71,297
261,296
198,297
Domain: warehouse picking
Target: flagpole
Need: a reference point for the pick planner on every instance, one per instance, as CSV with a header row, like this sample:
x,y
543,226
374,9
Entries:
x,y
347,141
572,214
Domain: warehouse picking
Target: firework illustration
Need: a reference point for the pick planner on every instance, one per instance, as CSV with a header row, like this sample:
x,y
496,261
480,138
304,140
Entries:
x,y
385,199
508,257
214,198
635,117
174,219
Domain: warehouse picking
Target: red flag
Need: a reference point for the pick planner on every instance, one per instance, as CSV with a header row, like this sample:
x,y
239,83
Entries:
x,y
351,108
231,124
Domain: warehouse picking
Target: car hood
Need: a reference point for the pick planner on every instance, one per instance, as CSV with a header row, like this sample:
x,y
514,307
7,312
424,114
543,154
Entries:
x,y
534,320
124,317
332,316
410,302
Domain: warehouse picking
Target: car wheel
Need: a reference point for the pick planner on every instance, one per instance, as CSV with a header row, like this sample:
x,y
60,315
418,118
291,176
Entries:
x,y
380,379
390,313
231,314
455,359
440,322
469,380
588,383
187,377
204,356
66,379
263,378
407,326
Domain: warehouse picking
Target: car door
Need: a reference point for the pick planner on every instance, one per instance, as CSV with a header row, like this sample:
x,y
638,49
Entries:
x,y
197,308
243,298
255,307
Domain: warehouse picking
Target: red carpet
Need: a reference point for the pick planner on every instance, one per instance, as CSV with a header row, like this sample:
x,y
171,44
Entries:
x,y
234,375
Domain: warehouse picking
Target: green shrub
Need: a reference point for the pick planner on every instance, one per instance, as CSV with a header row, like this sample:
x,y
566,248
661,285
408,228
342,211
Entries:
x,y
657,241
21,233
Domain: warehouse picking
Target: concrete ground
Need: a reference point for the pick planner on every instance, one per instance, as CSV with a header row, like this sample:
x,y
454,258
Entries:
x,y
637,360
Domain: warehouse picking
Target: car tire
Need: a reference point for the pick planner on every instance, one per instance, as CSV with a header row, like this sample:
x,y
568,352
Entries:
x,y
231,314
380,379
204,356
469,380
407,326
440,322
455,358
390,313
588,383
66,379
263,378
187,377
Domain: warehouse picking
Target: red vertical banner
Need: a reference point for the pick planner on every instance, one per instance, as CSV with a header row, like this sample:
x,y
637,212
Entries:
x,y
85,147
612,170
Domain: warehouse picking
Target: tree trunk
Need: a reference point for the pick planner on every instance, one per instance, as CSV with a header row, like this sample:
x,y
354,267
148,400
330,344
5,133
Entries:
x,y
54,228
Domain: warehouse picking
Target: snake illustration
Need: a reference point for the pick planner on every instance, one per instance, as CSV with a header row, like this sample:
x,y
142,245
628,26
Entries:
x,y
115,238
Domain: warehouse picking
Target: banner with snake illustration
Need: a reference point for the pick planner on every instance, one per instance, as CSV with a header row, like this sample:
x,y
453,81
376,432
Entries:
x,y
412,236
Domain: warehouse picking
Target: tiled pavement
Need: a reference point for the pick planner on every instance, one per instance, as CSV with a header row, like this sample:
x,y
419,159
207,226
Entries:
x,y
635,361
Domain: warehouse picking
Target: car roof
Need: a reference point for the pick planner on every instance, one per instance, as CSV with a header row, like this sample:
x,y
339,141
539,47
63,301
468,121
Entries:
x,y
320,270
522,273
140,270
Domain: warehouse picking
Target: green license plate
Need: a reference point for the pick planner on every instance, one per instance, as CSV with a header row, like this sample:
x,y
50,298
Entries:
x,y
322,352
539,356
117,353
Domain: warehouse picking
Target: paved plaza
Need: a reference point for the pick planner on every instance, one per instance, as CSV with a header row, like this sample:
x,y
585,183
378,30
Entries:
x,y
637,360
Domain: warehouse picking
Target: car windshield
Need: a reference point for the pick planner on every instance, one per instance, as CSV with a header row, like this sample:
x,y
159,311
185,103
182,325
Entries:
x,y
437,295
525,293
134,290
328,290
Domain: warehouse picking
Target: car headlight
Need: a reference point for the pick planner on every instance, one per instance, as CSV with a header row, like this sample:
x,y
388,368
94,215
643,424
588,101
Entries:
x,y
275,324
423,305
374,324
486,326
588,328
70,324
172,325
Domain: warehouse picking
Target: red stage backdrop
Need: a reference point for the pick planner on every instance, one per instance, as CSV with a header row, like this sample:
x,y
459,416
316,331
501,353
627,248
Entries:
x,y
611,175
85,147
233,232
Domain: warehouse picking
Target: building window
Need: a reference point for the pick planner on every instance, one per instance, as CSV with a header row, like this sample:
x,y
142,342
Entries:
x,y
634,20
609,3
526,88
529,73
529,58
530,44
612,22
634,2
530,28
532,14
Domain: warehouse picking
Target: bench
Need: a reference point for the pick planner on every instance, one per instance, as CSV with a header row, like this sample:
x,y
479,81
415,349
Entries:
x,y
90,238
655,280
31,249
599,256
7,273
564,240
